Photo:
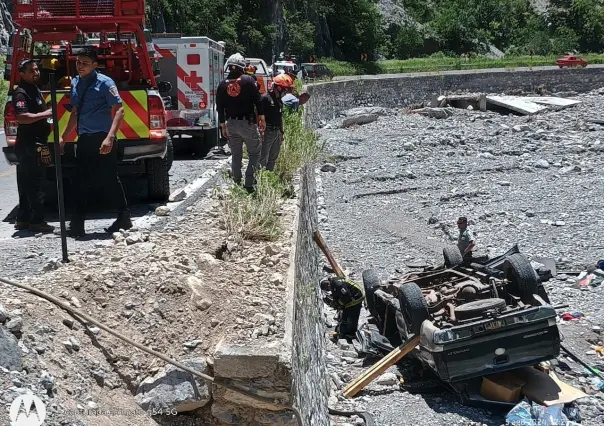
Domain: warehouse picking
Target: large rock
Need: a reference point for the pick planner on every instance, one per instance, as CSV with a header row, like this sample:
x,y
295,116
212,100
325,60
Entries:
x,y
359,120
366,111
174,389
10,353
199,297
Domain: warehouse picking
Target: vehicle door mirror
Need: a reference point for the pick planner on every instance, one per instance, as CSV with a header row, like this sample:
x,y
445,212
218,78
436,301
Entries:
x,y
164,86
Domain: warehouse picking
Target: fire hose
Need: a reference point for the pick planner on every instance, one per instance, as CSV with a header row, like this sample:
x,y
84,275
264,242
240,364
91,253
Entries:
x,y
227,384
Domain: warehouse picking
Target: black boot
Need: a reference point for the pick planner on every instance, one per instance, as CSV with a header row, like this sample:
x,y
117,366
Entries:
x,y
76,227
123,221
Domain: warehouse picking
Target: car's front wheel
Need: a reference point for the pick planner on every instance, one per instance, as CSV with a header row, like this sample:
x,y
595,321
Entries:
x,y
413,307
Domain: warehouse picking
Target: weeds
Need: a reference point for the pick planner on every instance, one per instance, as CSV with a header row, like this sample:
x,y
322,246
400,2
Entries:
x,y
300,146
254,216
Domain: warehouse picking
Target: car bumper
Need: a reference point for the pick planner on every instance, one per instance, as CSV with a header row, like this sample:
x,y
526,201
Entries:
x,y
128,151
506,349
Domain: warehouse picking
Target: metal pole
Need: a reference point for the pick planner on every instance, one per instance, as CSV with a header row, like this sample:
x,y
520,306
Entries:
x,y
58,167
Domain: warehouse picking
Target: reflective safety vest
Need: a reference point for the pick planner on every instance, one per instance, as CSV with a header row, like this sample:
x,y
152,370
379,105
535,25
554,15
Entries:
x,y
360,290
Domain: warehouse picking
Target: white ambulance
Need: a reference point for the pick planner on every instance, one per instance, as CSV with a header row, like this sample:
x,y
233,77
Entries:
x,y
193,67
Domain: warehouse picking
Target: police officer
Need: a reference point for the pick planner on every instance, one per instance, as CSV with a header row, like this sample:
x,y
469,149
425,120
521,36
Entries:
x,y
31,148
273,111
465,240
97,113
236,98
347,296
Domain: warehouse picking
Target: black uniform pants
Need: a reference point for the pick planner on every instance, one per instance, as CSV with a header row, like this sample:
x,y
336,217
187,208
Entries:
x,y
92,167
349,321
30,178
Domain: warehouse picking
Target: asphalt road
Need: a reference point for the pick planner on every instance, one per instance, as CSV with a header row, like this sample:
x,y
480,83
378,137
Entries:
x,y
455,72
24,253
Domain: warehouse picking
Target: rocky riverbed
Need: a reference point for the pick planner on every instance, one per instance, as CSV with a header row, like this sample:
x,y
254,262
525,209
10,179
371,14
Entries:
x,y
393,188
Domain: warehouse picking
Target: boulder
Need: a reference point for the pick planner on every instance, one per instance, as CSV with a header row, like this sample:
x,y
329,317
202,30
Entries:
x,y
10,353
174,389
359,120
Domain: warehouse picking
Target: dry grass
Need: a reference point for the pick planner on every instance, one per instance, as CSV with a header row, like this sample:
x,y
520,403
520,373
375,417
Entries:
x,y
254,216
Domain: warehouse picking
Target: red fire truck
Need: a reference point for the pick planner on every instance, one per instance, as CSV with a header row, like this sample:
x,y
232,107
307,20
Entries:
x,y
53,32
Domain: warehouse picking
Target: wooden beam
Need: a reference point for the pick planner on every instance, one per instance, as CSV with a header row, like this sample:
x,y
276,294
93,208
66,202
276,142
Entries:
x,y
377,369
332,261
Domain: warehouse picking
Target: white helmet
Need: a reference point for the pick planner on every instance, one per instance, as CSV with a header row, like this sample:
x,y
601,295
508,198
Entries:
x,y
236,60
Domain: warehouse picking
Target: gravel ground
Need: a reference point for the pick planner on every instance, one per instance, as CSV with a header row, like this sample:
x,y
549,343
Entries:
x,y
397,185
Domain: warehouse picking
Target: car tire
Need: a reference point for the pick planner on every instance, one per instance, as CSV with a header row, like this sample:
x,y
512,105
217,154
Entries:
x,y
453,257
523,278
477,307
560,66
371,282
158,179
413,307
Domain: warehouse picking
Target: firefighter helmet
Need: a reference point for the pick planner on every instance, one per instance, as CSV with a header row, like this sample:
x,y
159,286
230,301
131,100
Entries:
x,y
250,69
50,64
236,60
284,80
64,82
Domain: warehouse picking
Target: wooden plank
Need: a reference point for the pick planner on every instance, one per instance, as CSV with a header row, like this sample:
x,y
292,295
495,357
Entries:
x,y
332,261
377,369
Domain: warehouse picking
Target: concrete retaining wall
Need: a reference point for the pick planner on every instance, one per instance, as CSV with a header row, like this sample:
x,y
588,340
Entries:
x,y
310,385
294,369
328,99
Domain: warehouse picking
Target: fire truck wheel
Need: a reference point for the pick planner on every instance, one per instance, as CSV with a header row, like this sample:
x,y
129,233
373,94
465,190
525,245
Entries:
x,y
158,179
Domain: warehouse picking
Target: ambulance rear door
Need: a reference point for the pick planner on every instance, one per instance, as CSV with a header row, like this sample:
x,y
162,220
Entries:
x,y
193,82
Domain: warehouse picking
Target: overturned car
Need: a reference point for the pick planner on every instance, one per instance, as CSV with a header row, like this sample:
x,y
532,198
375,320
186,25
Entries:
x,y
473,318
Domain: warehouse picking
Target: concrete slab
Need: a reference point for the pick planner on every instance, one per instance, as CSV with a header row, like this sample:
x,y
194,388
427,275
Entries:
x,y
516,103
553,101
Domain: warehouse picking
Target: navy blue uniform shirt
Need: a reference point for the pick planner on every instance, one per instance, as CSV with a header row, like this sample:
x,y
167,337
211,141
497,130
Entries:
x,y
100,95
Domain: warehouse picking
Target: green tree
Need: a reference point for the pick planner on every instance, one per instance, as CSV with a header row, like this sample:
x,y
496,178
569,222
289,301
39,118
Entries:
x,y
356,28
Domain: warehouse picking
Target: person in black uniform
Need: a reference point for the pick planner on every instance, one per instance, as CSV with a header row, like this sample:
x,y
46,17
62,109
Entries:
x,y
273,110
347,296
31,148
236,97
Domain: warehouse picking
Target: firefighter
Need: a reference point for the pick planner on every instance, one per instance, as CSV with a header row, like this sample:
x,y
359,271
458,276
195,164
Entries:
x,y
236,98
273,110
465,241
346,296
31,148
97,113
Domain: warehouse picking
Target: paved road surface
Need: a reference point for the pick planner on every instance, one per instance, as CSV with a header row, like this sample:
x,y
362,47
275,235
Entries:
x,y
457,72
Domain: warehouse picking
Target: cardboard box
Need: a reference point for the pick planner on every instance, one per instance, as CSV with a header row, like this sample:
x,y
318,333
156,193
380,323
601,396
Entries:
x,y
501,387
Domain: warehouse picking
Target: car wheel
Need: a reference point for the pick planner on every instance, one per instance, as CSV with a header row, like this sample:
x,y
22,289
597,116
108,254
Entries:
x,y
452,256
371,282
523,278
560,66
478,307
413,307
